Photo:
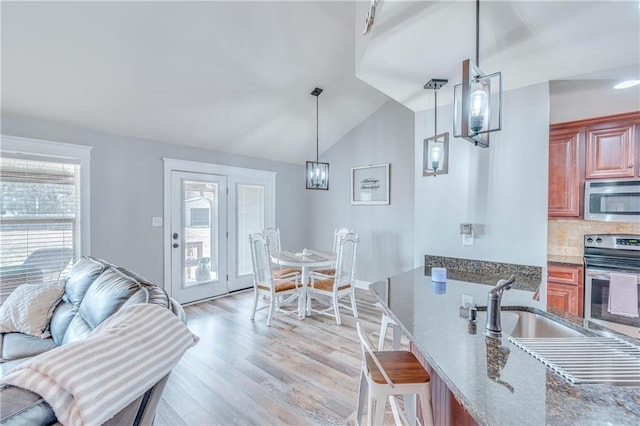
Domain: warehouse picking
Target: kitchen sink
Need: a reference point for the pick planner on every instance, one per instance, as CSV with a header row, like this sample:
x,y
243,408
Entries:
x,y
575,356
524,324
528,325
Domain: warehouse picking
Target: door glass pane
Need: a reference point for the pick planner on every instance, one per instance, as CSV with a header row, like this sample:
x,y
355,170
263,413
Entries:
x,y
201,246
250,220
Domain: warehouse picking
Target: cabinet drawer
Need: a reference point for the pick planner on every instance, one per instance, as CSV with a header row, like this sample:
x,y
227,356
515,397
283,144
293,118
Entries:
x,y
570,275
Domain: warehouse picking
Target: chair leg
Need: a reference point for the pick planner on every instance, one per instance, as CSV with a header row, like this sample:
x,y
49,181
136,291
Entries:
x,y
272,303
363,391
425,403
371,405
255,304
336,309
354,307
378,411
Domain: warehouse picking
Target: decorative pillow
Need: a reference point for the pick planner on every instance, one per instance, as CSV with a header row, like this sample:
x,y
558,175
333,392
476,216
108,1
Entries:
x,y
29,308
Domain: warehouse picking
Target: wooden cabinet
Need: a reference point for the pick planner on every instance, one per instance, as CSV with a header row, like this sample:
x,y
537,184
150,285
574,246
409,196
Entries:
x,y
566,184
565,288
597,148
611,150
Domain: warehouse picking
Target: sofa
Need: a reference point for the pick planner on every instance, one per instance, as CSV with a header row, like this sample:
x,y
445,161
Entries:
x,y
94,290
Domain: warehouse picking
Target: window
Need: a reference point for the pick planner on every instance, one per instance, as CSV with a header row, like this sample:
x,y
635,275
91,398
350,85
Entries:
x,y
42,223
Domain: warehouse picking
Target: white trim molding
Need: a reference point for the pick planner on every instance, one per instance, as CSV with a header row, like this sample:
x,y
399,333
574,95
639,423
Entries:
x,y
235,175
82,153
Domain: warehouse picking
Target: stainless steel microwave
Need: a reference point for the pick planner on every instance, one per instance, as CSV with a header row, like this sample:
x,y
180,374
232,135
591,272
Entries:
x,y
612,200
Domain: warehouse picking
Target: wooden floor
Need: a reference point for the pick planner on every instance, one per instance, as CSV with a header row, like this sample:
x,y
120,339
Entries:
x,y
296,372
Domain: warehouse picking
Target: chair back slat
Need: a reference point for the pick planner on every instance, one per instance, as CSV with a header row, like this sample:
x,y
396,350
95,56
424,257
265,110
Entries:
x,y
366,347
261,260
338,235
346,259
272,236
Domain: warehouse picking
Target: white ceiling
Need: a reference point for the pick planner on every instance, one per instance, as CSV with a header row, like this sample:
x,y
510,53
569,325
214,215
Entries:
x,y
237,76
528,41
228,76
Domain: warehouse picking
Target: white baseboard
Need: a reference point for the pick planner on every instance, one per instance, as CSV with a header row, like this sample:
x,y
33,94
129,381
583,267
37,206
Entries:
x,y
363,284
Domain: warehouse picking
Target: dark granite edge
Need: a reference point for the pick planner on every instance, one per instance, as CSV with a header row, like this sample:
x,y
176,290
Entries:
x,y
478,416
521,283
528,278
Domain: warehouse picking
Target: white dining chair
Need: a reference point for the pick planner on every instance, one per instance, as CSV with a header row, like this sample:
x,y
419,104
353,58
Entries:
x,y
338,234
279,291
385,374
272,236
340,284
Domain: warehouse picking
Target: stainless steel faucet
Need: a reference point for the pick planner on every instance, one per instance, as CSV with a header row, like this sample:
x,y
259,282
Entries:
x,y
493,328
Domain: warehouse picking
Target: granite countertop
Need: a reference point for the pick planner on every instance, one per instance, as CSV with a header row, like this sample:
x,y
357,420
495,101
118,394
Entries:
x,y
565,260
519,391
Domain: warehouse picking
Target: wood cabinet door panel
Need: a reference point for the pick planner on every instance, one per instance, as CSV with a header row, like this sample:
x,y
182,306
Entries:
x,y
565,184
565,288
611,152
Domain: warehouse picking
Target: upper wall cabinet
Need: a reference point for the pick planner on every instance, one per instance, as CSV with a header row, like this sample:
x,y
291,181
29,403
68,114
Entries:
x,y
612,148
566,145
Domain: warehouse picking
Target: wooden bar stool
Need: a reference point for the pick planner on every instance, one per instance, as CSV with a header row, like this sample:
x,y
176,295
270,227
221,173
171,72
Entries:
x,y
385,374
385,322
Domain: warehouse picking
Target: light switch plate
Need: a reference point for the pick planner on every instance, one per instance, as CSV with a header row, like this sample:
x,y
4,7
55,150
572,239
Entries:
x,y
156,221
467,300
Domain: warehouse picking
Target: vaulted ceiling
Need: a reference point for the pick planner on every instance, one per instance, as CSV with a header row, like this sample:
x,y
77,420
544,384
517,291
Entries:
x,y
237,76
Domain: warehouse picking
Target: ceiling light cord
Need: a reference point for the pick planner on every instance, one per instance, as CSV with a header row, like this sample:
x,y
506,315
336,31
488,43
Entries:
x,y
317,129
478,33
435,112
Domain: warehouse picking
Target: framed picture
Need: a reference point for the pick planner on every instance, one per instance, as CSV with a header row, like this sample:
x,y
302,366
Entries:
x,y
370,185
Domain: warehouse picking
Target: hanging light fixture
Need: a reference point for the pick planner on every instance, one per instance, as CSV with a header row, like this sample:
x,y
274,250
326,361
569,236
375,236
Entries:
x,y
477,100
317,172
436,148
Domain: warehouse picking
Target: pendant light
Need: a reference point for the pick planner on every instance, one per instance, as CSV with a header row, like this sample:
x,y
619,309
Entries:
x,y
317,174
436,148
477,100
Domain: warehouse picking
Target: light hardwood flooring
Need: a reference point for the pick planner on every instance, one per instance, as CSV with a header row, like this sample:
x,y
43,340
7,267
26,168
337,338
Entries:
x,y
296,372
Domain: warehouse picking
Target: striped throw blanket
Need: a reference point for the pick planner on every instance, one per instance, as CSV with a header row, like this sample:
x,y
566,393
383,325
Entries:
x,y
88,382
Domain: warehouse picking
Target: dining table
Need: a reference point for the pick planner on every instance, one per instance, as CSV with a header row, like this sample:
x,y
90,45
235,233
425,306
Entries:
x,y
306,260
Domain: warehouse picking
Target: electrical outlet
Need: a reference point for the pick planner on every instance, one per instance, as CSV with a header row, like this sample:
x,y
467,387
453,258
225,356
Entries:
x,y
156,221
467,240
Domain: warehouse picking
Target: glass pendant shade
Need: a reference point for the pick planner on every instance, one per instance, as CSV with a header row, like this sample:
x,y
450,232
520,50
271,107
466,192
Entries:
x,y
436,155
477,103
317,175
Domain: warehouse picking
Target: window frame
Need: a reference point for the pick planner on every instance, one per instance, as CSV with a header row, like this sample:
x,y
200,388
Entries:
x,y
33,148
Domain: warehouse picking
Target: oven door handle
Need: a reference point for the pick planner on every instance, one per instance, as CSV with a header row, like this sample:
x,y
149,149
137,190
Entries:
x,y
604,275
599,274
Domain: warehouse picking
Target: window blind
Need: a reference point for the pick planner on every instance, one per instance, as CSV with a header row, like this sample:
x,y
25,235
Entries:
x,y
40,220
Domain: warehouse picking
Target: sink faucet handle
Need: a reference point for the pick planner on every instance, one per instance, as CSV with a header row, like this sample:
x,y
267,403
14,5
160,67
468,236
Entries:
x,y
503,285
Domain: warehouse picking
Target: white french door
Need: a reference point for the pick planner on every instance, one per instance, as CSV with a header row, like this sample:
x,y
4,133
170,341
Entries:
x,y
198,236
210,211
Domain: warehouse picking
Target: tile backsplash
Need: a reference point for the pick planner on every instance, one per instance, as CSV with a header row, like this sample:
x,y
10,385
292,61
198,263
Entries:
x,y
566,236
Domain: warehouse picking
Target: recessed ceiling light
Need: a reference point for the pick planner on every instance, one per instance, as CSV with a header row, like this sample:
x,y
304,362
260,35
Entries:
x,y
627,84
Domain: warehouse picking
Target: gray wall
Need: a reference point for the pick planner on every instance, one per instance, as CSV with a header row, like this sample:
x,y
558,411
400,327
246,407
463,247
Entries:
x,y
501,190
127,190
386,232
579,99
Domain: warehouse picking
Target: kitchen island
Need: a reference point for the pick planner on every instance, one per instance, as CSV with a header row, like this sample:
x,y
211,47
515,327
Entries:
x,y
493,380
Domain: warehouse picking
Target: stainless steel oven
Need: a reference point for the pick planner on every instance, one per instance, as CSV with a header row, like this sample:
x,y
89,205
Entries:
x,y
604,254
